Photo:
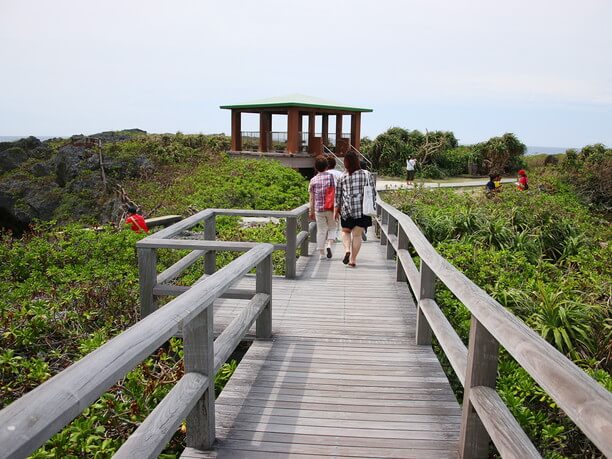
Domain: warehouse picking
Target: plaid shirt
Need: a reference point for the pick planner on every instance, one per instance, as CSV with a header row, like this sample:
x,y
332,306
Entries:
x,y
318,184
349,193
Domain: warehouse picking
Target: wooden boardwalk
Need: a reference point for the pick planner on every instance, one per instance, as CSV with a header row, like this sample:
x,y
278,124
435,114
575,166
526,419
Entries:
x,y
342,376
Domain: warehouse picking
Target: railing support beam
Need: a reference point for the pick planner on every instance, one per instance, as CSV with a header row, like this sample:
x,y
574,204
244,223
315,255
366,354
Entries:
x,y
384,218
147,275
304,227
427,290
290,252
481,371
402,243
210,234
263,284
198,342
392,228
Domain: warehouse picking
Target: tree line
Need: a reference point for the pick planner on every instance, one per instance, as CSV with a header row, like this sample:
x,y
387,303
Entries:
x,y
439,155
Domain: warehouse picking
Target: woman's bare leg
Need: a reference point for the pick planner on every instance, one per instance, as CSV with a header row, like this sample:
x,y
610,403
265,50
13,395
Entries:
x,y
356,243
346,239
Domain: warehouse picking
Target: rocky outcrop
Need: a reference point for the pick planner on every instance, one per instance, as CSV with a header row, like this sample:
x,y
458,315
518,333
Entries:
x,y
12,158
119,136
41,182
23,200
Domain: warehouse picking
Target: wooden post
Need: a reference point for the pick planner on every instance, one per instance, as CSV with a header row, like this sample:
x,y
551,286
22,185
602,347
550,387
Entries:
x,y
375,221
325,129
147,278
236,130
198,338
263,284
392,229
338,131
293,116
300,130
311,132
290,251
481,371
356,130
265,126
384,218
304,227
427,290
210,234
312,233
402,243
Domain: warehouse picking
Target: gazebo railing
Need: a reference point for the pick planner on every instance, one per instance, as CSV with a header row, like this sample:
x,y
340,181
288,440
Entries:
x,y
277,140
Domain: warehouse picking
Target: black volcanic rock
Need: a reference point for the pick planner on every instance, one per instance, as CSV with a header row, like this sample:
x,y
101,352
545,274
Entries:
x,y
12,158
29,143
70,160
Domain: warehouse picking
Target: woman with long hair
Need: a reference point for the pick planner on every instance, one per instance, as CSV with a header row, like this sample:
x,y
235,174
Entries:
x,y
349,207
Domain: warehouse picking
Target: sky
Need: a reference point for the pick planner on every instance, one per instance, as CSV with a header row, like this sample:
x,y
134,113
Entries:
x,y
538,68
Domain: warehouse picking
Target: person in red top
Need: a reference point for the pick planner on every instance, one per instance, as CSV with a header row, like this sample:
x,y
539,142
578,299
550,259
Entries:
x,y
522,184
136,220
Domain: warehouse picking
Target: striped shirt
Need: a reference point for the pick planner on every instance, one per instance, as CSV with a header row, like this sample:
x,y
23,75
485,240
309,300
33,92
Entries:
x,y
318,184
349,193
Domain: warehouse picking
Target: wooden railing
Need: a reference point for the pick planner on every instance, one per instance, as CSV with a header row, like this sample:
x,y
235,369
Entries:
x,y
153,285
485,416
30,421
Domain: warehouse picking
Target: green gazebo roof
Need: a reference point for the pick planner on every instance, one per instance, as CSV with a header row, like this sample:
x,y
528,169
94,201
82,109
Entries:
x,y
297,100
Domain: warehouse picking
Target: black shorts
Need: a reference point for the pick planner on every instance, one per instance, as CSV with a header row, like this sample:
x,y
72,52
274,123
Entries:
x,y
350,222
410,175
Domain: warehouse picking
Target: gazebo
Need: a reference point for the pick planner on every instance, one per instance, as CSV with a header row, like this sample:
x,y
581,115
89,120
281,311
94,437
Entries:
x,y
297,146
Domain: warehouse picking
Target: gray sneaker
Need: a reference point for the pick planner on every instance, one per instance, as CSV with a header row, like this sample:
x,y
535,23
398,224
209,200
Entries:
x,y
364,236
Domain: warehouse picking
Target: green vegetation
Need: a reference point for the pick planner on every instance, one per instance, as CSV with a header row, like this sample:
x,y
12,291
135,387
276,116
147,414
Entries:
x,y
544,256
245,184
67,290
438,154
589,173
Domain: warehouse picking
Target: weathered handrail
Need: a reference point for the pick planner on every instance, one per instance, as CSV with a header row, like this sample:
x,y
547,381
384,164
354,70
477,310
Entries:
x,y
31,420
484,413
362,157
339,162
153,284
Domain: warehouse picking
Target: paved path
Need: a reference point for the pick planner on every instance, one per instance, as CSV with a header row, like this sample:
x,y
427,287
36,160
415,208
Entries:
x,y
342,376
382,184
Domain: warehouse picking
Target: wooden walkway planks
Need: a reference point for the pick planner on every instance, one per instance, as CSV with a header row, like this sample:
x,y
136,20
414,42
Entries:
x,y
342,376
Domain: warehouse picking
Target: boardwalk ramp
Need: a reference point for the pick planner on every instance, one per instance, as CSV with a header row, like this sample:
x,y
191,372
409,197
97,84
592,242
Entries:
x,y
342,376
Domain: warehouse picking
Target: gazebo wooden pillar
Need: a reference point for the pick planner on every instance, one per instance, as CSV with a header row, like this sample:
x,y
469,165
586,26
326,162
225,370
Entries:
x,y
356,130
325,129
265,131
293,127
311,129
236,130
338,128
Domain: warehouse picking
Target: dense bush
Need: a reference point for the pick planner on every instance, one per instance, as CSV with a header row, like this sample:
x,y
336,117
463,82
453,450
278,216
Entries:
x,y
590,173
221,182
501,154
390,150
543,256
456,161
